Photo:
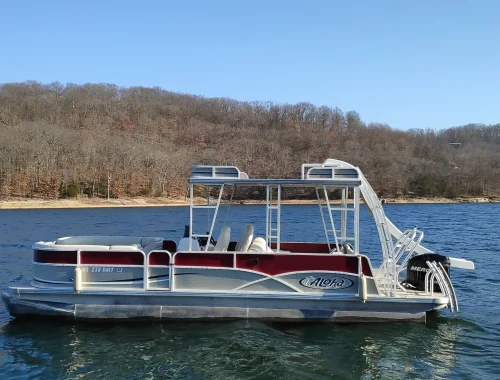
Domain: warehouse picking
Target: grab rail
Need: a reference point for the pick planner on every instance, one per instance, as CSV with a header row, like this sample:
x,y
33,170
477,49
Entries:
x,y
439,274
451,289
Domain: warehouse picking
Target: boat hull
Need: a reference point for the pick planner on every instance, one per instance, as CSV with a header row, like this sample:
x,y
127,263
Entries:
x,y
164,306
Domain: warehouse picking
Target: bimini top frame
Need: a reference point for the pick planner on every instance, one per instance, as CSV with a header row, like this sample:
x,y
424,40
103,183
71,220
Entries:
x,y
322,177
331,174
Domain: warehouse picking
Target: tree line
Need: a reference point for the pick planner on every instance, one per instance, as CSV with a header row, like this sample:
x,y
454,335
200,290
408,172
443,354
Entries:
x,y
98,139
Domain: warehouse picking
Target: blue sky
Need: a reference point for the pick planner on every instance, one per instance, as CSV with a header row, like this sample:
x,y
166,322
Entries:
x,y
411,64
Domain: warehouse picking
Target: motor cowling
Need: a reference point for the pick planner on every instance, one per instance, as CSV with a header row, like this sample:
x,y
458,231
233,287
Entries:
x,y
417,268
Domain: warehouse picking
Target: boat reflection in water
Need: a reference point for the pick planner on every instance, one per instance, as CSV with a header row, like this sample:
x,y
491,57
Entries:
x,y
243,349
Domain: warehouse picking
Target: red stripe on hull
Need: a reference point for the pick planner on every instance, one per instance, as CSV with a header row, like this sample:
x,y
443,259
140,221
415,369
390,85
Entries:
x,y
365,267
112,258
221,260
159,258
54,257
300,247
282,263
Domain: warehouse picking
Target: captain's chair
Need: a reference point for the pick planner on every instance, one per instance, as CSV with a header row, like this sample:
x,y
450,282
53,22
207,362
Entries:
x,y
245,239
224,239
259,245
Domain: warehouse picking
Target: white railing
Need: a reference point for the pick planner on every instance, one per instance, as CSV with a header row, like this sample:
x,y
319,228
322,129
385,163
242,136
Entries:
x,y
404,247
437,273
79,283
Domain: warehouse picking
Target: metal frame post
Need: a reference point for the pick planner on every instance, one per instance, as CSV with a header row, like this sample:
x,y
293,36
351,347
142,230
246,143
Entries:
x,y
343,215
190,217
356,220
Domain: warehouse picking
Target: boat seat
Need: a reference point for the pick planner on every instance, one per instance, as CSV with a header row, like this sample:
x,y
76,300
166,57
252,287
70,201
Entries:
x,y
124,247
151,244
184,245
259,245
145,244
99,240
79,247
224,239
169,245
245,239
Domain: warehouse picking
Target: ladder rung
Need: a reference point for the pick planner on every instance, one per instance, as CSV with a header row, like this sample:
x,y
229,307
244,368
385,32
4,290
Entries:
x,y
205,206
199,235
338,208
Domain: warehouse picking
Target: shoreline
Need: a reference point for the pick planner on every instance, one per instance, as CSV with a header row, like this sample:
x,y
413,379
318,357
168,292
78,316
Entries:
x,y
25,203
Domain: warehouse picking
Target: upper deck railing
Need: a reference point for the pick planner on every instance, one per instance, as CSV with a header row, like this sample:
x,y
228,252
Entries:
x,y
313,175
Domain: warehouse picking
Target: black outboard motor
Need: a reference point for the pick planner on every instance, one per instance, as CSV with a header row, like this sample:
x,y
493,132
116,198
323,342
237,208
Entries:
x,y
417,269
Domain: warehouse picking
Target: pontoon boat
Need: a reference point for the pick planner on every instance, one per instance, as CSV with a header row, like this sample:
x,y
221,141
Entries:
x,y
258,276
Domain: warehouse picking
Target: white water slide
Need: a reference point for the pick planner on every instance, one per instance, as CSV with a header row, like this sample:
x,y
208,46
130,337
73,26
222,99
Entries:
x,y
387,230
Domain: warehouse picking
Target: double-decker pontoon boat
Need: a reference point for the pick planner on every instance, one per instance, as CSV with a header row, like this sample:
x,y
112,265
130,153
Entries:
x,y
257,277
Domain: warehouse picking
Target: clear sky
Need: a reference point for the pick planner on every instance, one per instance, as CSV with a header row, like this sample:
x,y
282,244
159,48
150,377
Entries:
x,y
411,64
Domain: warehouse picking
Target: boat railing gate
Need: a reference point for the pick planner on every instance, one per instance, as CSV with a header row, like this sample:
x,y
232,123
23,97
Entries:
x,y
79,284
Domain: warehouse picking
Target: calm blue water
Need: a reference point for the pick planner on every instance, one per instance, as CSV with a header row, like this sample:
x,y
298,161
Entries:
x,y
462,345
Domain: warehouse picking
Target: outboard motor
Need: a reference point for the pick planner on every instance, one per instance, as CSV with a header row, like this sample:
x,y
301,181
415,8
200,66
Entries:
x,y
417,269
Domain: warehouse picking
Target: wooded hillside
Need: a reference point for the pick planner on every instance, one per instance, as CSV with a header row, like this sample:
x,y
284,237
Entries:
x,y
67,141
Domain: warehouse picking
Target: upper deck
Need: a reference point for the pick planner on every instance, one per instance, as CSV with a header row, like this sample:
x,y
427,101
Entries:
x,y
332,173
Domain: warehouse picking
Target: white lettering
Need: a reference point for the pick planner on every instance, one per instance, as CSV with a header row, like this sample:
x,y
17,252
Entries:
x,y
419,269
100,269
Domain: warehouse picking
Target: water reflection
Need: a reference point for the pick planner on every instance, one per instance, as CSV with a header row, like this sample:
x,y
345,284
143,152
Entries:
x,y
229,350
463,345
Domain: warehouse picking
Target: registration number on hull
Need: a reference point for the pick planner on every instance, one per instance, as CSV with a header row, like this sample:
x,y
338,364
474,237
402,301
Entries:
x,y
101,269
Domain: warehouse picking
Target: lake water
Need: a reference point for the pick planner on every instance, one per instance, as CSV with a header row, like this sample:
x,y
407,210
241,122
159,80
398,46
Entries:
x,y
460,345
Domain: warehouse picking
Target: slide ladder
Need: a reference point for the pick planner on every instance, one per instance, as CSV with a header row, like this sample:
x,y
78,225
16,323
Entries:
x,y
273,216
